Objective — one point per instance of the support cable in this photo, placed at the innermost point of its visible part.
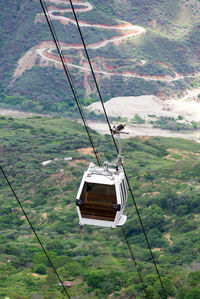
(109, 125)
(36, 235)
(133, 258)
(145, 234)
(92, 71)
(67, 73)
(45, 10)
(71, 85)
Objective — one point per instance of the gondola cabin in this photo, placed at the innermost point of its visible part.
(102, 197)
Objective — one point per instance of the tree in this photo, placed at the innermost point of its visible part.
(54, 245)
(194, 293)
(181, 293)
(150, 279)
(194, 278)
(95, 278)
(62, 260)
(51, 277)
(168, 287)
(40, 258)
(41, 269)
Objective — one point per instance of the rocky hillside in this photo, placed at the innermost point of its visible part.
(136, 49)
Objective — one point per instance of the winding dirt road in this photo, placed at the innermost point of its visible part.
(45, 50)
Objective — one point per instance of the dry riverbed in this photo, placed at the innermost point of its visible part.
(146, 107)
(150, 107)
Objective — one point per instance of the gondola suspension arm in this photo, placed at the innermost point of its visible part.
(118, 162)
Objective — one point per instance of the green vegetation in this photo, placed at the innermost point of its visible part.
(172, 18)
(164, 174)
(170, 123)
(137, 119)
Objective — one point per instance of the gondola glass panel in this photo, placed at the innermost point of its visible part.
(98, 201)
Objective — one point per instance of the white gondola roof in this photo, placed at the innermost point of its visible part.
(99, 176)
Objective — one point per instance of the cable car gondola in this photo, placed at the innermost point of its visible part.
(103, 193)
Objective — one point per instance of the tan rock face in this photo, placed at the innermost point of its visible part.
(25, 63)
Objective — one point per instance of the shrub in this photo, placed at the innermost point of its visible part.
(40, 269)
(138, 119)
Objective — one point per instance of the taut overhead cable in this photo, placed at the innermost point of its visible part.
(35, 233)
(109, 125)
(67, 73)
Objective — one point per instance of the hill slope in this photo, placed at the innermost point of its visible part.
(164, 175)
(160, 57)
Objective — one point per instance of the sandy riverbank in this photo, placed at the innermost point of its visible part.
(16, 113)
(147, 106)
(145, 130)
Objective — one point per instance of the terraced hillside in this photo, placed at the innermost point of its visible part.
(136, 49)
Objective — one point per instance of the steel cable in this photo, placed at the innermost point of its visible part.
(67, 73)
(133, 258)
(36, 235)
(109, 125)
(71, 85)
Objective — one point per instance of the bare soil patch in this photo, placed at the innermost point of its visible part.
(168, 237)
(150, 107)
(86, 151)
(76, 162)
(156, 249)
(17, 114)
